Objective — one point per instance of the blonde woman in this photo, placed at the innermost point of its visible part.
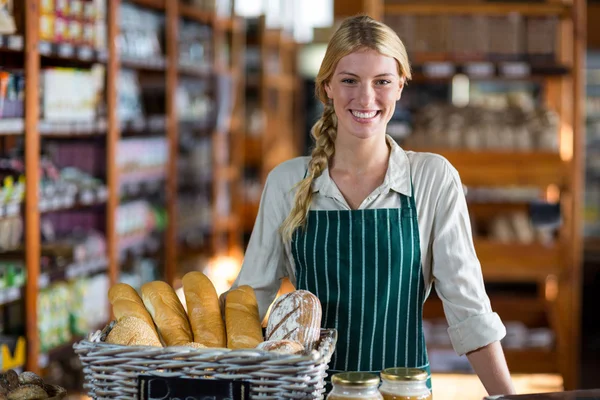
(369, 227)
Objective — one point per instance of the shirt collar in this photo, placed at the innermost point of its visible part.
(397, 177)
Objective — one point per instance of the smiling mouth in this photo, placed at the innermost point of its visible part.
(365, 115)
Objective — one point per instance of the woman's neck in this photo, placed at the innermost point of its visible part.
(359, 156)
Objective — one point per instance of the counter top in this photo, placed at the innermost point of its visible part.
(573, 395)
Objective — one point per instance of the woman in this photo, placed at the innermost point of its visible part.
(368, 227)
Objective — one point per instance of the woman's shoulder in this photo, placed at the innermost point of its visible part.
(288, 173)
(432, 167)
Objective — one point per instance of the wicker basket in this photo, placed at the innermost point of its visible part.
(111, 371)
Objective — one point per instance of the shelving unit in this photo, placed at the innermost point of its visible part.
(273, 87)
(108, 131)
(555, 268)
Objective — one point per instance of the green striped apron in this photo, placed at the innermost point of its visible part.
(365, 267)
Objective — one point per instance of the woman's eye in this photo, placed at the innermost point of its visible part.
(348, 80)
(383, 82)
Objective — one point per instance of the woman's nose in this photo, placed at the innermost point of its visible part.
(366, 95)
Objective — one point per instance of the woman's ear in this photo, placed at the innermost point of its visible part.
(328, 90)
(400, 89)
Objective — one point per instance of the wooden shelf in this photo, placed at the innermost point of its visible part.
(11, 43)
(12, 126)
(194, 13)
(518, 262)
(489, 168)
(432, 67)
(67, 51)
(155, 4)
(545, 9)
(152, 65)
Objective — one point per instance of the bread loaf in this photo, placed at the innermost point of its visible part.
(132, 331)
(204, 311)
(126, 302)
(281, 346)
(167, 312)
(244, 330)
(195, 345)
(295, 316)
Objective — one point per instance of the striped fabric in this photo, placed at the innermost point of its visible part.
(364, 265)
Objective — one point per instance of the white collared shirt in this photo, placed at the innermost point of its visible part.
(447, 252)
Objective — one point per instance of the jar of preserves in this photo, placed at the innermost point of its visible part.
(404, 384)
(354, 386)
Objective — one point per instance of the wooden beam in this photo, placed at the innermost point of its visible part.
(32, 163)
(527, 9)
(112, 142)
(172, 32)
(155, 4)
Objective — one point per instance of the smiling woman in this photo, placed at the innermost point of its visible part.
(368, 227)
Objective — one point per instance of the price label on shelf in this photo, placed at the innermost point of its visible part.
(85, 53)
(15, 42)
(515, 69)
(12, 209)
(45, 48)
(439, 69)
(43, 360)
(66, 50)
(479, 69)
(43, 281)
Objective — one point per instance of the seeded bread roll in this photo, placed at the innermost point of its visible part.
(204, 311)
(244, 330)
(131, 331)
(281, 346)
(295, 316)
(126, 302)
(167, 312)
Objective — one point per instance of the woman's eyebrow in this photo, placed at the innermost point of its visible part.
(376, 76)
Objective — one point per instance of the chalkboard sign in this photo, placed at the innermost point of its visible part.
(158, 388)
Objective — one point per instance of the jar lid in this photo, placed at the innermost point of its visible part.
(361, 379)
(404, 374)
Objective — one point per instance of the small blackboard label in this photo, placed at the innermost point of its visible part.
(159, 388)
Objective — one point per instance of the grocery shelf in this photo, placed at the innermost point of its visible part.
(503, 168)
(518, 70)
(511, 262)
(72, 129)
(86, 54)
(73, 271)
(191, 70)
(194, 13)
(541, 9)
(11, 43)
(12, 126)
(144, 64)
(10, 295)
(156, 4)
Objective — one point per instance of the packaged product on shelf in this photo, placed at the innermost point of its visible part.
(7, 22)
(61, 7)
(76, 9)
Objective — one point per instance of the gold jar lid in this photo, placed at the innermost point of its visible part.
(359, 379)
(404, 374)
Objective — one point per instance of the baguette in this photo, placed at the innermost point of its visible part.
(167, 312)
(126, 302)
(296, 316)
(244, 330)
(132, 331)
(204, 311)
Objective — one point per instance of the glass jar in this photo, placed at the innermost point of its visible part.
(353, 386)
(404, 384)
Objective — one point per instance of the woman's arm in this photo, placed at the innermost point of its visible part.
(490, 366)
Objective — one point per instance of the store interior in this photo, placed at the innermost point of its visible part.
(136, 137)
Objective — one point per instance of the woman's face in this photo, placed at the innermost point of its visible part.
(365, 87)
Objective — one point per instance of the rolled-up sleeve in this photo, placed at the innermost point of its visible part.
(457, 272)
(264, 262)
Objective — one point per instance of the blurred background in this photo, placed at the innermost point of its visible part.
(136, 136)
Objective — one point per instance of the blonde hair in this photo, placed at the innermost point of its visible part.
(356, 33)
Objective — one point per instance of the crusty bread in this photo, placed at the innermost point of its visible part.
(126, 302)
(204, 311)
(132, 331)
(296, 316)
(195, 345)
(282, 346)
(167, 312)
(242, 320)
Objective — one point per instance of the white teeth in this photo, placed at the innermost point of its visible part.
(358, 114)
